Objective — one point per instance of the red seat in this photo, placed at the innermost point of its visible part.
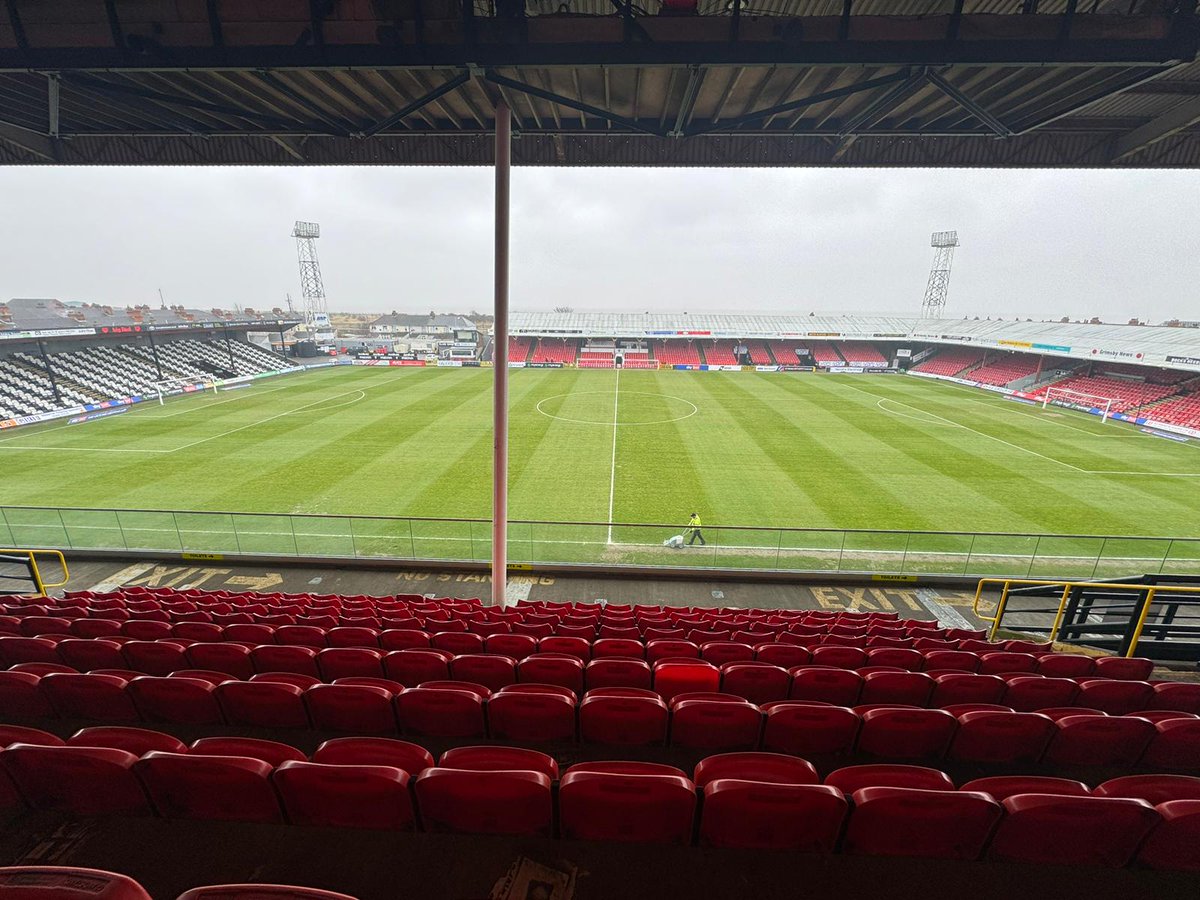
(625, 648)
(368, 751)
(620, 631)
(499, 759)
(1001, 737)
(906, 733)
(618, 672)
(1175, 746)
(354, 708)
(20, 697)
(1038, 692)
(807, 729)
(572, 646)
(1099, 741)
(531, 717)
(1065, 665)
(301, 636)
(403, 639)
(94, 696)
(295, 659)
(441, 712)
(349, 662)
(19, 734)
(209, 787)
(553, 668)
(954, 688)
(154, 657)
(353, 636)
(250, 633)
(488, 802)
(94, 628)
(345, 796)
(912, 688)
(412, 667)
(739, 813)
(896, 821)
(67, 883)
(701, 636)
(1173, 842)
(1182, 696)
(624, 720)
(1001, 787)
(671, 649)
(1124, 668)
(86, 655)
(213, 678)
(84, 780)
(785, 655)
(852, 778)
(600, 806)
(715, 724)
(232, 659)
(898, 657)
(940, 660)
(671, 678)
(1115, 697)
(1081, 831)
(457, 642)
(757, 682)
(304, 682)
(205, 632)
(272, 752)
(1001, 661)
(146, 629)
(770, 768)
(185, 701)
(721, 652)
(837, 686)
(493, 672)
(264, 703)
(518, 646)
(1154, 789)
(839, 657)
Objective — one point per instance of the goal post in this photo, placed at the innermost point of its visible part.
(172, 387)
(1079, 400)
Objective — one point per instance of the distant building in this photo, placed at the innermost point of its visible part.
(401, 323)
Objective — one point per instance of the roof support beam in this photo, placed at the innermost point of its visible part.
(882, 105)
(570, 103)
(279, 85)
(113, 88)
(812, 100)
(53, 83)
(421, 102)
(14, 22)
(994, 125)
(1171, 122)
(690, 92)
(37, 144)
(214, 23)
(114, 24)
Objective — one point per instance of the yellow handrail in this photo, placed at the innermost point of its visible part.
(1067, 588)
(36, 572)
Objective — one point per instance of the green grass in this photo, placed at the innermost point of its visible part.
(768, 450)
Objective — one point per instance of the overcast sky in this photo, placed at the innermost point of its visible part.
(1034, 243)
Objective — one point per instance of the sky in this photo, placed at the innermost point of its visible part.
(1034, 243)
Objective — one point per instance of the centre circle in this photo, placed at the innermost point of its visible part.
(686, 408)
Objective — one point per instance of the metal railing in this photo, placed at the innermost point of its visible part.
(1131, 602)
(748, 548)
(29, 559)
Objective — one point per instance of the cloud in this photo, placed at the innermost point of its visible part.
(1034, 243)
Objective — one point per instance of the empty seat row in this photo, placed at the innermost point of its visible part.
(73, 883)
(479, 790)
(616, 716)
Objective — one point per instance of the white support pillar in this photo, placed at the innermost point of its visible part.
(500, 362)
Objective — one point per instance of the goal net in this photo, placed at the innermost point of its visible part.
(1079, 400)
(192, 384)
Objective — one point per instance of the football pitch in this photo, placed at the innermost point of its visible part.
(641, 449)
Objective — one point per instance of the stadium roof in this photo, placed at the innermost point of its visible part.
(31, 317)
(416, 322)
(1137, 344)
(603, 82)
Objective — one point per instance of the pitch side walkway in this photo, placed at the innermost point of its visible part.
(950, 607)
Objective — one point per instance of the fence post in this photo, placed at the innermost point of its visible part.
(62, 522)
(1147, 601)
(178, 533)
